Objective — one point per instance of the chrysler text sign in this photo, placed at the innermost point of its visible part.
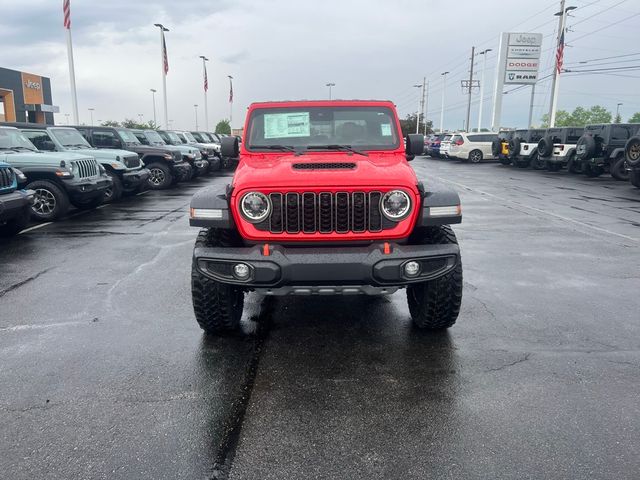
(522, 62)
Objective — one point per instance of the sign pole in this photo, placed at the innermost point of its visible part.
(499, 84)
(533, 96)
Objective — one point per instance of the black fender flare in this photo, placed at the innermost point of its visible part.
(214, 198)
(435, 196)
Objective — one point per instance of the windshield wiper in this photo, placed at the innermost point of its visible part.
(348, 148)
(19, 148)
(282, 148)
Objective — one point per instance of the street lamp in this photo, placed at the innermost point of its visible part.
(330, 85)
(140, 118)
(153, 95)
(484, 68)
(164, 63)
(195, 107)
(419, 107)
(91, 113)
(67, 117)
(618, 110)
(444, 87)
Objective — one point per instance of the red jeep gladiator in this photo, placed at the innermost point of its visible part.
(323, 202)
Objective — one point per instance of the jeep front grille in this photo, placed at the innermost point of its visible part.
(86, 168)
(132, 161)
(6, 177)
(325, 212)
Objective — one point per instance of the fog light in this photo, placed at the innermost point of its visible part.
(241, 271)
(411, 269)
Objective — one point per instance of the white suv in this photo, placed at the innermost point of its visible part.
(472, 147)
(445, 145)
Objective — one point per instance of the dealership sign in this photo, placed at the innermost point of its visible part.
(522, 62)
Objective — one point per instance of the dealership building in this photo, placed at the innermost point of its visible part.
(25, 97)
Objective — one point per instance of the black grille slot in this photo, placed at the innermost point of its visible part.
(292, 201)
(326, 212)
(324, 166)
(359, 212)
(342, 212)
(6, 177)
(375, 217)
(87, 168)
(276, 214)
(309, 212)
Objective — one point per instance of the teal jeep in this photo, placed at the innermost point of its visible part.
(124, 167)
(15, 205)
(58, 179)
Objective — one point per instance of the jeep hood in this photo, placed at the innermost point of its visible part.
(43, 158)
(277, 171)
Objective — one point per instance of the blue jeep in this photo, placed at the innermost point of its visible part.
(15, 205)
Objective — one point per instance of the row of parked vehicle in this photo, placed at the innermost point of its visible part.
(46, 169)
(593, 150)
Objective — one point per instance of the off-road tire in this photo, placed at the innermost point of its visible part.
(634, 176)
(160, 176)
(538, 162)
(217, 306)
(16, 225)
(475, 156)
(115, 192)
(574, 164)
(632, 151)
(435, 305)
(619, 169)
(53, 193)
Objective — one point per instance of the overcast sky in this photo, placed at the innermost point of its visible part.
(289, 49)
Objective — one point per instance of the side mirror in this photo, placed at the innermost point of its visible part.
(414, 145)
(230, 147)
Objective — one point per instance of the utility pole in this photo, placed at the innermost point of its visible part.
(424, 86)
(484, 69)
(420, 106)
(555, 86)
(330, 85)
(164, 64)
(426, 108)
(473, 54)
(444, 88)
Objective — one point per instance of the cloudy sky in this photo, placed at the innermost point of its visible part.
(289, 49)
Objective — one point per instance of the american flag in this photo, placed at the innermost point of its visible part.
(206, 79)
(165, 58)
(230, 89)
(560, 53)
(66, 9)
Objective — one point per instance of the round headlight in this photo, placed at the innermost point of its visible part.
(396, 205)
(255, 207)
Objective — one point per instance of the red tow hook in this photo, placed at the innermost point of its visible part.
(265, 250)
(387, 248)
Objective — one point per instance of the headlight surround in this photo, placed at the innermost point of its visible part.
(255, 206)
(395, 205)
(21, 177)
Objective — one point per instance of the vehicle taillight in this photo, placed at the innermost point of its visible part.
(459, 142)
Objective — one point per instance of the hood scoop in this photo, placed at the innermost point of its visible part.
(324, 166)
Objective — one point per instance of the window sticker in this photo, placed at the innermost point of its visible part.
(385, 129)
(281, 125)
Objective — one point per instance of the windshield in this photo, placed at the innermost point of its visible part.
(154, 137)
(365, 128)
(69, 137)
(215, 138)
(206, 137)
(173, 138)
(181, 137)
(128, 137)
(199, 137)
(13, 139)
(189, 137)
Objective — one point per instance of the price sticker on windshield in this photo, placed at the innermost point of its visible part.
(283, 125)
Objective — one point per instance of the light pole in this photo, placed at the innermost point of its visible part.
(153, 95)
(618, 112)
(444, 88)
(206, 87)
(164, 63)
(140, 118)
(67, 117)
(195, 107)
(484, 68)
(420, 100)
(559, 58)
(330, 85)
(91, 113)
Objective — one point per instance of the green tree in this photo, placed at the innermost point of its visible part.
(618, 119)
(579, 117)
(110, 123)
(408, 125)
(635, 118)
(129, 123)
(223, 126)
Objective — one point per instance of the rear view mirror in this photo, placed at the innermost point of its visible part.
(230, 147)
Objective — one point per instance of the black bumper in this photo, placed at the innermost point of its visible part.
(180, 169)
(12, 204)
(132, 180)
(87, 189)
(297, 266)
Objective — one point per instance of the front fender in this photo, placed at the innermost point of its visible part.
(440, 206)
(210, 208)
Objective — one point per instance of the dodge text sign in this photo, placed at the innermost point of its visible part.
(523, 58)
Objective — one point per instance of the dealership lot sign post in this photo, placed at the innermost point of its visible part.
(518, 64)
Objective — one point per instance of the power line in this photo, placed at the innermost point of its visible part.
(604, 58)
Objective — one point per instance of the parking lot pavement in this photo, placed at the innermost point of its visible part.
(104, 373)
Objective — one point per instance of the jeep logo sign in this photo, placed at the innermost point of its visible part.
(521, 57)
(525, 39)
(33, 85)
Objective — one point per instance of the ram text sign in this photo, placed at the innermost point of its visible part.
(523, 58)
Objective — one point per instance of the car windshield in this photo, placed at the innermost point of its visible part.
(128, 137)
(199, 137)
(206, 137)
(70, 137)
(173, 138)
(447, 138)
(330, 127)
(190, 138)
(215, 138)
(13, 139)
(181, 137)
(154, 137)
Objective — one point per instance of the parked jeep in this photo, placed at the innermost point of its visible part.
(632, 154)
(523, 146)
(500, 147)
(557, 149)
(324, 203)
(166, 167)
(190, 154)
(15, 204)
(210, 150)
(602, 149)
(57, 178)
(124, 167)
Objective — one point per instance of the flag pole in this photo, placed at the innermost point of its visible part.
(164, 64)
(230, 99)
(558, 65)
(66, 7)
(206, 87)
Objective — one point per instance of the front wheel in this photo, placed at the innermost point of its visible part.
(435, 305)
(217, 306)
(160, 176)
(619, 169)
(115, 191)
(50, 201)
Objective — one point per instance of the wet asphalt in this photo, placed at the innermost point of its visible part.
(105, 374)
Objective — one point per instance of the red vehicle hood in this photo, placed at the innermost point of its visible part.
(277, 171)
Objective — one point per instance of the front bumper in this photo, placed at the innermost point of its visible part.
(305, 269)
(181, 169)
(13, 204)
(132, 180)
(87, 188)
(201, 166)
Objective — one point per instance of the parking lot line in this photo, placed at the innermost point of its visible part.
(35, 227)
